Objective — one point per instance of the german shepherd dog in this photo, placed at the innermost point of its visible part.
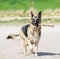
(31, 33)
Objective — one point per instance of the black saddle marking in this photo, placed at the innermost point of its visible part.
(24, 28)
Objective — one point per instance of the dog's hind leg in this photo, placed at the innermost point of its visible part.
(31, 50)
(24, 47)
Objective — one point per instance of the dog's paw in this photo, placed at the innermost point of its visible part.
(36, 54)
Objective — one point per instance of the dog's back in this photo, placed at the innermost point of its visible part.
(24, 29)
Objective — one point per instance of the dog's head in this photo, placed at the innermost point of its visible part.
(35, 20)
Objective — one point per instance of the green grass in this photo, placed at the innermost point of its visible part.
(26, 4)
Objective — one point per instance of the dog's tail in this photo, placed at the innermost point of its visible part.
(13, 36)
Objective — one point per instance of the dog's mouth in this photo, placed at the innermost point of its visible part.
(35, 29)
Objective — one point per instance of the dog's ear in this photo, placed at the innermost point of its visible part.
(39, 14)
(32, 14)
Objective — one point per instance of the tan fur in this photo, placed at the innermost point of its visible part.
(30, 40)
(32, 35)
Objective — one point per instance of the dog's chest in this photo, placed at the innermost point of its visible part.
(34, 36)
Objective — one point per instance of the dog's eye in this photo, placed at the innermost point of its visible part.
(32, 20)
(37, 21)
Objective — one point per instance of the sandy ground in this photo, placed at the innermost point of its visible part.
(49, 46)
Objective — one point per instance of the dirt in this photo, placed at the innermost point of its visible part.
(49, 46)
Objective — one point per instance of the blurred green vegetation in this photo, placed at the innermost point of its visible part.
(26, 4)
(14, 22)
(26, 21)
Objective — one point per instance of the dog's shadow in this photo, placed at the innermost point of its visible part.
(47, 54)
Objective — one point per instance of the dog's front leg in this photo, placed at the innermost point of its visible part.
(24, 47)
(36, 49)
(30, 46)
(24, 50)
